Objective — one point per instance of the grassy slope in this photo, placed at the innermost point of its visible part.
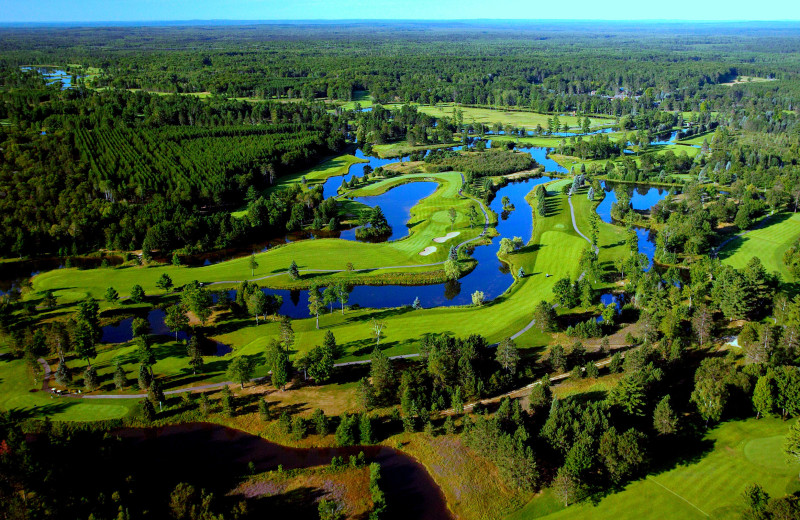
(767, 243)
(742, 453)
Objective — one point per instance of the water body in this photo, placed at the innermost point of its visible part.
(410, 491)
(122, 332)
(53, 76)
(642, 199)
(541, 156)
(396, 205)
(331, 186)
(490, 276)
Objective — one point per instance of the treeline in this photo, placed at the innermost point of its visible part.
(478, 164)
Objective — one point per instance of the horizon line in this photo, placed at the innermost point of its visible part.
(199, 21)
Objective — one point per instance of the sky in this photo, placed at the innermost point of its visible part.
(16, 11)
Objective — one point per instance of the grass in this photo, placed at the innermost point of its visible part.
(401, 149)
(471, 483)
(768, 243)
(489, 116)
(741, 453)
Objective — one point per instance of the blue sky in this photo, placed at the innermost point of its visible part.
(158, 10)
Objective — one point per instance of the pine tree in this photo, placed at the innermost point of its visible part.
(665, 421)
(365, 429)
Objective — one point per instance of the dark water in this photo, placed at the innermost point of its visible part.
(642, 199)
(490, 276)
(396, 205)
(122, 332)
(215, 458)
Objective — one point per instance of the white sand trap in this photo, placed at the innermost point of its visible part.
(447, 237)
(427, 251)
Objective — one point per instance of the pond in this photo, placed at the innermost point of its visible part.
(396, 205)
(214, 457)
(490, 276)
(53, 76)
(642, 199)
(122, 332)
(541, 155)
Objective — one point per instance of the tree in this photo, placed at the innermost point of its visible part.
(545, 316)
(148, 412)
(257, 304)
(342, 294)
(240, 370)
(566, 487)
(137, 294)
(320, 366)
(280, 370)
(176, 260)
(629, 394)
(377, 327)
(451, 213)
(84, 341)
(286, 333)
(176, 320)
(294, 271)
(623, 454)
(665, 421)
(381, 373)
(365, 429)
(112, 296)
(557, 358)
(329, 297)
(140, 327)
(764, 394)
(320, 422)
(120, 378)
(155, 394)
(702, 324)
(451, 269)
(507, 355)
(416, 305)
(315, 302)
(164, 283)
(228, 401)
(195, 354)
(478, 298)
(792, 445)
(49, 300)
(263, 410)
(253, 264)
(453, 253)
(710, 395)
(90, 379)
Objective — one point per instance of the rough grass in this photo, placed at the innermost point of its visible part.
(768, 243)
(741, 453)
(471, 483)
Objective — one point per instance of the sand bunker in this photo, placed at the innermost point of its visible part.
(428, 250)
(447, 237)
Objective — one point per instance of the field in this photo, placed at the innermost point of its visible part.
(740, 453)
(489, 116)
(768, 243)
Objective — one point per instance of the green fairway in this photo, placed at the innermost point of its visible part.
(768, 243)
(742, 453)
(386, 151)
(489, 116)
(17, 393)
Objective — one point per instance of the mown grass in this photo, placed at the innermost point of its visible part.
(767, 243)
(489, 116)
(741, 453)
(401, 149)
